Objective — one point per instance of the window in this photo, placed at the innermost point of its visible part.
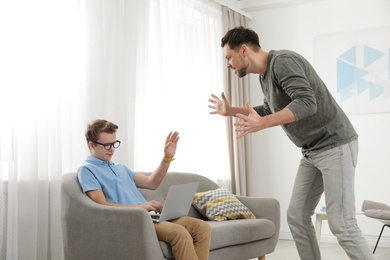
(183, 66)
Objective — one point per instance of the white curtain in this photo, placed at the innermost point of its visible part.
(39, 85)
(149, 66)
(183, 66)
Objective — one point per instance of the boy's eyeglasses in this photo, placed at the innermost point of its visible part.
(108, 146)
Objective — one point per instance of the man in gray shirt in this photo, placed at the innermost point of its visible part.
(297, 99)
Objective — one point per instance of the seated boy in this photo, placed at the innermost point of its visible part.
(114, 184)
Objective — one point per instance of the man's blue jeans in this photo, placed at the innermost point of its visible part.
(331, 172)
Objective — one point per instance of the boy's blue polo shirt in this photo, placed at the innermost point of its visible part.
(115, 180)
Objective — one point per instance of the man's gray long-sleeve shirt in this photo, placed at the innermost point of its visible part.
(290, 81)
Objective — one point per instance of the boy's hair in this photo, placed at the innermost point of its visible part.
(235, 37)
(99, 126)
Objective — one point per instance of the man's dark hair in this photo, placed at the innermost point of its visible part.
(99, 126)
(235, 37)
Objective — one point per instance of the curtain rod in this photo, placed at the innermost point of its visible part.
(224, 3)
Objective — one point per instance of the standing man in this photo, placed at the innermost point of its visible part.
(297, 99)
(113, 184)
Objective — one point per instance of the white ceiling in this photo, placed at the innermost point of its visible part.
(255, 5)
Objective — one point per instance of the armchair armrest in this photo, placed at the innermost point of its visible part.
(96, 231)
(263, 207)
(266, 208)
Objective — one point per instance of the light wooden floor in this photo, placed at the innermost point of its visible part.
(285, 249)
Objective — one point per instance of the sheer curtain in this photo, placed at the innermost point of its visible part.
(38, 85)
(149, 66)
(63, 63)
(183, 66)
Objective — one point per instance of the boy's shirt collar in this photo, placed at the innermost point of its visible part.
(97, 161)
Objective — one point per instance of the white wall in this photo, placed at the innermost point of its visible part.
(275, 158)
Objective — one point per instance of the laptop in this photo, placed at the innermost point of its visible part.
(178, 202)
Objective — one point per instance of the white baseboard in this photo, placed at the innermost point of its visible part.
(285, 235)
(384, 242)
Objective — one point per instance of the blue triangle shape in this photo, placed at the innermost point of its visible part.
(371, 55)
(362, 85)
(347, 74)
(346, 94)
(344, 75)
(388, 63)
(349, 55)
(375, 91)
(359, 73)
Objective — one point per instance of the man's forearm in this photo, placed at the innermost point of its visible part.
(238, 110)
(282, 117)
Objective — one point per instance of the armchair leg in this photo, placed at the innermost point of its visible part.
(262, 257)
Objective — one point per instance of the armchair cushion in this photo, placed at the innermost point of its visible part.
(220, 204)
(244, 230)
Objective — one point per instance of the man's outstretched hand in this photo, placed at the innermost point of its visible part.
(219, 106)
(250, 123)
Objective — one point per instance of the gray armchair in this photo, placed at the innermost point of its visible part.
(93, 231)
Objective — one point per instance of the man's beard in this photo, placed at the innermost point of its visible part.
(243, 71)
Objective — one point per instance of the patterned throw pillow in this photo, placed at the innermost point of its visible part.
(220, 204)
